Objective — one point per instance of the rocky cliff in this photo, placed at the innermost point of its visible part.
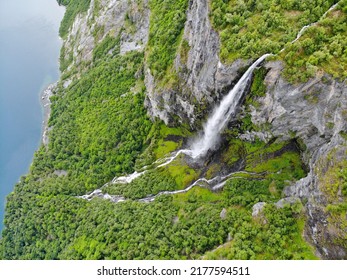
(139, 80)
(202, 78)
(314, 112)
(128, 20)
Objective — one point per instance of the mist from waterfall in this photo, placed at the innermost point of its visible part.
(221, 115)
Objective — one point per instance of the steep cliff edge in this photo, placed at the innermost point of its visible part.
(315, 113)
(128, 21)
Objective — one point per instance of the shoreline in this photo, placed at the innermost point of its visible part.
(46, 110)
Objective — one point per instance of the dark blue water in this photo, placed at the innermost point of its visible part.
(29, 52)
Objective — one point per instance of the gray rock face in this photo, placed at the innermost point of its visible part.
(46, 105)
(286, 201)
(205, 75)
(202, 78)
(316, 113)
(223, 214)
(313, 111)
(128, 19)
(159, 105)
(251, 136)
(257, 208)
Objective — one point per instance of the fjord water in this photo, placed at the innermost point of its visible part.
(29, 52)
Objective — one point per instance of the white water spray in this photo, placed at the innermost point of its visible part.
(299, 34)
(128, 178)
(221, 115)
(161, 163)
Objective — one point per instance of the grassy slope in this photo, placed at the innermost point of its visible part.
(249, 29)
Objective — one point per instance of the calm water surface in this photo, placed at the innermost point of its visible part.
(29, 52)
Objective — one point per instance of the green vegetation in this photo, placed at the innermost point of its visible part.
(281, 163)
(172, 227)
(100, 126)
(110, 45)
(162, 141)
(151, 183)
(277, 163)
(65, 59)
(184, 50)
(101, 130)
(258, 88)
(246, 193)
(251, 28)
(277, 234)
(166, 25)
(164, 146)
(175, 176)
(323, 47)
(332, 176)
(182, 173)
(53, 224)
(73, 8)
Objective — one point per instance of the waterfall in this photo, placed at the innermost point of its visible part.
(221, 115)
(219, 118)
(210, 137)
(212, 129)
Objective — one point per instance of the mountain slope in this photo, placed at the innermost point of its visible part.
(139, 79)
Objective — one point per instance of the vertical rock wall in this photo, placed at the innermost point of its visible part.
(314, 112)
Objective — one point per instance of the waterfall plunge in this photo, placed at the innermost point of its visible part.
(221, 115)
(213, 127)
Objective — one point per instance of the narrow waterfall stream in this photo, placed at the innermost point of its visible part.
(214, 184)
(302, 30)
